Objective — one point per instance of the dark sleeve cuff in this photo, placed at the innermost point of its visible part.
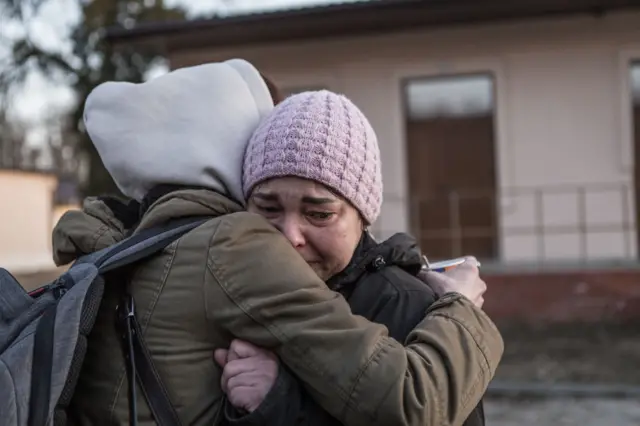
(127, 212)
(272, 408)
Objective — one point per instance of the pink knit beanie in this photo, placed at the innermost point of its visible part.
(321, 136)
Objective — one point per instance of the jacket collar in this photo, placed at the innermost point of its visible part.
(181, 203)
(369, 256)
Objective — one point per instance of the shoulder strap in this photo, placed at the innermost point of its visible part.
(42, 368)
(141, 370)
(144, 244)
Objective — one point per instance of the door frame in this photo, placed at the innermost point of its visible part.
(504, 166)
(627, 56)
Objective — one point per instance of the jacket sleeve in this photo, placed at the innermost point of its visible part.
(259, 289)
(96, 224)
(287, 403)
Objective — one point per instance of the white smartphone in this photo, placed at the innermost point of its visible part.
(444, 265)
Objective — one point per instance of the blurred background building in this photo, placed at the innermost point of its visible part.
(506, 131)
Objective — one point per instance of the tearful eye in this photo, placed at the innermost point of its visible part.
(320, 215)
(268, 209)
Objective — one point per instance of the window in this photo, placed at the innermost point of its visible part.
(634, 77)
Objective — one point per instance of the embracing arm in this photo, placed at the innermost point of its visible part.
(287, 402)
(347, 364)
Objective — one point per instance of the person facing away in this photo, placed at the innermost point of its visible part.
(236, 276)
(313, 170)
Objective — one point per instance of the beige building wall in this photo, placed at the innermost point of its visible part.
(25, 221)
(562, 119)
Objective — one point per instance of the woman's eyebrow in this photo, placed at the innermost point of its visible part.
(318, 200)
(265, 196)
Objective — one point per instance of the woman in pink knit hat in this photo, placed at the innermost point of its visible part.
(312, 169)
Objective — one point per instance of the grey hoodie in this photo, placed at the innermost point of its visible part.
(174, 130)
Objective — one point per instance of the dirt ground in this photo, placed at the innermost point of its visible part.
(578, 353)
(583, 353)
(562, 412)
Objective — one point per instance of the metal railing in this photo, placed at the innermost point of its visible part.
(543, 214)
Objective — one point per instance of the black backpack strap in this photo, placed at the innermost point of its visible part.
(42, 367)
(141, 370)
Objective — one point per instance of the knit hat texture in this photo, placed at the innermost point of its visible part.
(320, 136)
(188, 127)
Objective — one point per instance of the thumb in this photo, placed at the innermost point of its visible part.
(436, 281)
(241, 349)
(434, 278)
(472, 260)
(465, 270)
(220, 356)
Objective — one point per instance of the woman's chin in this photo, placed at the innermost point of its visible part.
(318, 269)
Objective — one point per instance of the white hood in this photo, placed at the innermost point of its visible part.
(188, 127)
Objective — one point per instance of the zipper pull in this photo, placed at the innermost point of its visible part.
(59, 287)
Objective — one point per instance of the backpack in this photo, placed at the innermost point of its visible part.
(43, 334)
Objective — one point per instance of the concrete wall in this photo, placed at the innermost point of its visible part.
(562, 119)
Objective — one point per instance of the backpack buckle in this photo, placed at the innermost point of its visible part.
(125, 314)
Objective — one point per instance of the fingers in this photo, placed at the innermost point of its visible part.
(234, 360)
(464, 272)
(220, 356)
(241, 357)
(470, 264)
(239, 366)
(466, 269)
(234, 368)
(242, 380)
(247, 398)
(472, 260)
(482, 286)
(238, 396)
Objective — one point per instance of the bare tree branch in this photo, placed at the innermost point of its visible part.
(19, 9)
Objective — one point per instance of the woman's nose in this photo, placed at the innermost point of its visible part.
(294, 234)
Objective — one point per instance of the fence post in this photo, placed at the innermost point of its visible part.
(627, 227)
(539, 208)
(582, 222)
(454, 224)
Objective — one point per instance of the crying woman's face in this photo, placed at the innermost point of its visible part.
(323, 227)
